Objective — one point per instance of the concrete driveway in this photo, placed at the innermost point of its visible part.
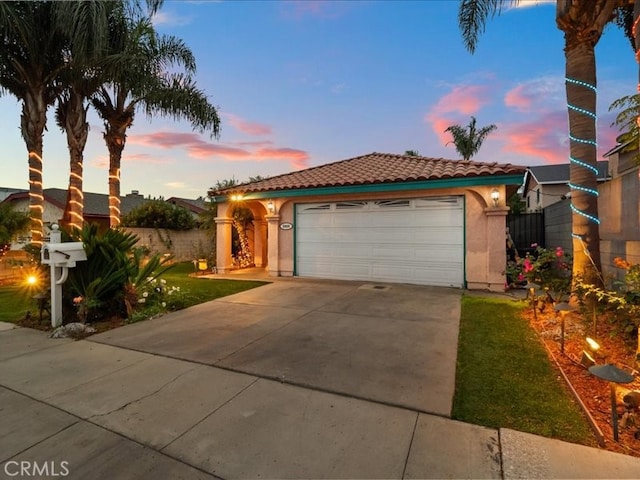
(393, 344)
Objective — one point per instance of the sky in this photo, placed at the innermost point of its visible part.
(299, 84)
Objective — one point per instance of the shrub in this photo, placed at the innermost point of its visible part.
(113, 272)
(550, 269)
(159, 214)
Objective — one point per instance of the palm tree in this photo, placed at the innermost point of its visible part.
(582, 24)
(469, 140)
(140, 77)
(36, 42)
(30, 60)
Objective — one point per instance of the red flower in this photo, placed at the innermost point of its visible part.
(527, 265)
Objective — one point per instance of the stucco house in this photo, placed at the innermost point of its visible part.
(378, 217)
(545, 185)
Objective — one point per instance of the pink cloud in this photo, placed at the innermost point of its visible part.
(462, 100)
(165, 139)
(519, 98)
(250, 128)
(298, 158)
(544, 138)
(205, 150)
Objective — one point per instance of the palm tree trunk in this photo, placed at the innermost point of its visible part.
(581, 98)
(115, 138)
(32, 123)
(636, 38)
(77, 129)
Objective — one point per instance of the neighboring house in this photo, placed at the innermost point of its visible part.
(545, 185)
(196, 207)
(5, 192)
(96, 206)
(379, 218)
(618, 207)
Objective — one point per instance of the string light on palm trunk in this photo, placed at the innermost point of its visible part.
(581, 163)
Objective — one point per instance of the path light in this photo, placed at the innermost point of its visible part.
(613, 375)
(532, 287)
(587, 359)
(495, 196)
(563, 309)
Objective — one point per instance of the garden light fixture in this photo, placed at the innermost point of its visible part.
(593, 345)
(613, 375)
(495, 196)
(563, 309)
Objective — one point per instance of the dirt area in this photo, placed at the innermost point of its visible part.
(594, 393)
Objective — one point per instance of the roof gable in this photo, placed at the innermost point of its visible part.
(375, 168)
(548, 174)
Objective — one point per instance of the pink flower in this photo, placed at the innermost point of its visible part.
(559, 252)
(534, 245)
(520, 277)
(527, 265)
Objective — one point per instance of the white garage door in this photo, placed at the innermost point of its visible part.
(418, 241)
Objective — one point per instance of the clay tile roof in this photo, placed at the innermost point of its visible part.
(375, 168)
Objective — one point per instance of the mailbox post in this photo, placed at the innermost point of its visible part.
(60, 257)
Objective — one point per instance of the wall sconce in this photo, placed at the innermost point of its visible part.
(495, 196)
(271, 207)
(236, 197)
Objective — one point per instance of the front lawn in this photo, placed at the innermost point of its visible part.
(15, 300)
(504, 378)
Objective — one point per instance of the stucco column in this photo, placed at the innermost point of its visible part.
(224, 262)
(259, 243)
(273, 223)
(496, 247)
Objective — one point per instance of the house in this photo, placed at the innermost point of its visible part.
(545, 185)
(380, 218)
(96, 205)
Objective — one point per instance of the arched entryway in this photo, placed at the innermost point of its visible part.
(241, 235)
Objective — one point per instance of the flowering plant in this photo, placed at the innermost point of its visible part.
(84, 307)
(156, 297)
(548, 268)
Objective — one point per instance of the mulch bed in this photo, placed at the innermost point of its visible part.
(593, 392)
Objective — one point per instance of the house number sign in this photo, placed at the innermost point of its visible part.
(286, 226)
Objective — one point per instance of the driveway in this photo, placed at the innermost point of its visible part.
(393, 344)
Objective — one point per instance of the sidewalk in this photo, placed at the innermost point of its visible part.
(103, 412)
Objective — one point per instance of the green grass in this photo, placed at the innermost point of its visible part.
(198, 290)
(15, 301)
(505, 379)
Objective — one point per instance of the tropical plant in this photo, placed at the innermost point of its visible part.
(469, 139)
(31, 57)
(582, 24)
(159, 214)
(113, 272)
(412, 153)
(142, 74)
(627, 122)
(37, 40)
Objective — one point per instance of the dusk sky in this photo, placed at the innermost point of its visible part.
(303, 83)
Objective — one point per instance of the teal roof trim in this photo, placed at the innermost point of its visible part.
(382, 187)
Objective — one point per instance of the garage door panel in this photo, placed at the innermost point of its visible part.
(411, 241)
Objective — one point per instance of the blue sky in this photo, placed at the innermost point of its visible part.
(303, 83)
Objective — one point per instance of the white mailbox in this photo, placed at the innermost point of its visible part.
(63, 254)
